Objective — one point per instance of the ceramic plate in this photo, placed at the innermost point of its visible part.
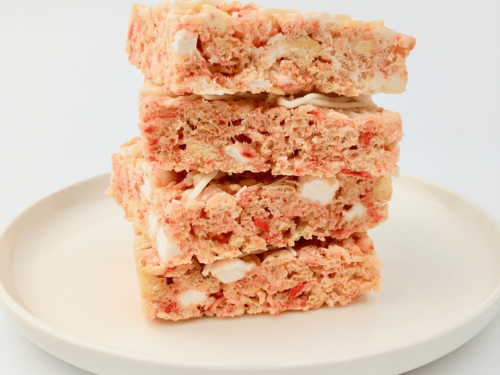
(67, 279)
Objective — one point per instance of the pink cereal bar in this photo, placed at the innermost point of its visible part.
(220, 216)
(285, 136)
(306, 277)
(219, 47)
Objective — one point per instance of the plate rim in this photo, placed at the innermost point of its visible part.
(14, 309)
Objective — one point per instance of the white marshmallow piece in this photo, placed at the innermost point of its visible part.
(357, 210)
(185, 42)
(192, 297)
(152, 223)
(146, 189)
(393, 85)
(233, 152)
(228, 270)
(167, 250)
(321, 189)
(377, 82)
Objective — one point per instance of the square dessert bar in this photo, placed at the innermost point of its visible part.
(305, 277)
(287, 136)
(188, 215)
(219, 47)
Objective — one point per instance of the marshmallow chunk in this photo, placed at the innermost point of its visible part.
(152, 222)
(146, 189)
(235, 154)
(166, 249)
(321, 189)
(192, 297)
(185, 42)
(228, 270)
(357, 210)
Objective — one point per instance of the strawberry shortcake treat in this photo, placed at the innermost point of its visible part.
(262, 159)
(214, 216)
(225, 47)
(306, 276)
(313, 134)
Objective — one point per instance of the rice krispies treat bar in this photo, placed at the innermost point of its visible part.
(239, 134)
(218, 47)
(314, 273)
(219, 216)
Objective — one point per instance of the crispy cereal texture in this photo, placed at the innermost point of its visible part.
(217, 47)
(315, 273)
(253, 135)
(239, 214)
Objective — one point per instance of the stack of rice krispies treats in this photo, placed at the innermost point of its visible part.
(262, 159)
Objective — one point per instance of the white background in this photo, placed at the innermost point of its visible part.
(68, 99)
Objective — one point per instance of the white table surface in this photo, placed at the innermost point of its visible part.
(68, 99)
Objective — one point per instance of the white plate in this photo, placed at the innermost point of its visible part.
(68, 281)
